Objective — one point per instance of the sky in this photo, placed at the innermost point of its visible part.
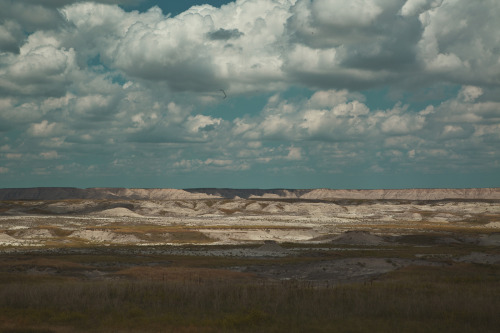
(351, 94)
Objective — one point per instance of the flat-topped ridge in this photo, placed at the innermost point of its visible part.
(61, 193)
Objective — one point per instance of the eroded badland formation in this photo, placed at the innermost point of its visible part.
(108, 216)
(226, 260)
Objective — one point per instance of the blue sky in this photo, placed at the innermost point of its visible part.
(320, 93)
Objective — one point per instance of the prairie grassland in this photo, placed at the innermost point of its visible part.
(459, 298)
(143, 292)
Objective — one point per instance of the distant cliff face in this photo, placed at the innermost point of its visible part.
(406, 194)
(60, 193)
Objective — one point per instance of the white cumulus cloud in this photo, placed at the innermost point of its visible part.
(42, 129)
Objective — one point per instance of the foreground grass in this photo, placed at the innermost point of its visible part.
(458, 298)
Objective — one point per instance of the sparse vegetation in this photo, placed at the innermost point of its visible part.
(417, 227)
(459, 298)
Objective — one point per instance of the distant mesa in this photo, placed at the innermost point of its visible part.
(63, 193)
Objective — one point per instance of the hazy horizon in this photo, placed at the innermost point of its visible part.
(249, 188)
(295, 94)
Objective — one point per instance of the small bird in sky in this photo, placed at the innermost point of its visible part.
(223, 93)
